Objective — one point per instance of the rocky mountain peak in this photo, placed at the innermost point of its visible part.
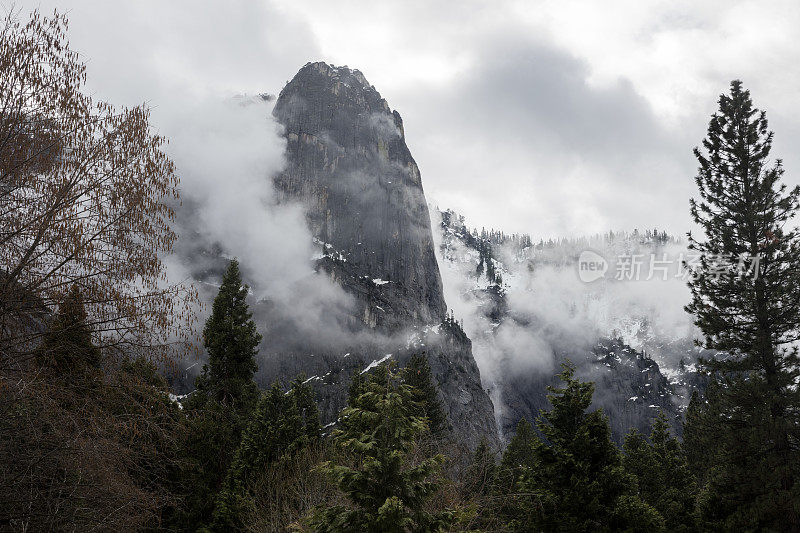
(344, 75)
(349, 165)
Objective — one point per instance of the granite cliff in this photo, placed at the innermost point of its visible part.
(349, 166)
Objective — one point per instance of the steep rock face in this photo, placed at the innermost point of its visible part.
(349, 164)
(350, 168)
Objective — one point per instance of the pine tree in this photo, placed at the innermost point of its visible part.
(281, 424)
(386, 493)
(212, 437)
(662, 473)
(518, 455)
(226, 394)
(505, 503)
(577, 482)
(231, 339)
(753, 317)
(481, 473)
(425, 394)
(67, 346)
(302, 395)
(699, 428)
(479, 487)
(357, 382)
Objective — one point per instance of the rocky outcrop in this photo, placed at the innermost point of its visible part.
(350, 168)
(349, 164)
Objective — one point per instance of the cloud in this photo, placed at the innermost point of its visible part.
(550, 312)
(226, 152)
(160, 52)
(566, 118)
(536, 149)
(192, 63)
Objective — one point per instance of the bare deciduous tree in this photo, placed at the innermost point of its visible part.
(86, 196)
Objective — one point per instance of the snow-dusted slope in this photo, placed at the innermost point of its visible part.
(533, 311)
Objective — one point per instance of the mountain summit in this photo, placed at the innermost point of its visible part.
(349, 167)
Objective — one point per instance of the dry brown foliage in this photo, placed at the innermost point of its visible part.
(86, 197)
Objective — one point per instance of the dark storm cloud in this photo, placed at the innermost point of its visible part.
(533, 91)
(524, 126)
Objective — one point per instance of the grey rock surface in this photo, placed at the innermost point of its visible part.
(349, 167)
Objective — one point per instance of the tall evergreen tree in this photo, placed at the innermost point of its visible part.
(212, 437)
(231, 339)
(481, 473)
(281, 424)
(699, 428)
(662, 473)
(517, 456)
(425, 395)
(357, 381)
(505, 503)
(68, 346)
(386, 493)
(479, 487)
(753, 318)
(577, 482)
(226, 394)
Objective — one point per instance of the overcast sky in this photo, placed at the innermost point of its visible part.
(552, 118)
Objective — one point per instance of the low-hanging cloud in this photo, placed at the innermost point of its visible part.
(227, 152)
(187, 61)
(551, 313)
